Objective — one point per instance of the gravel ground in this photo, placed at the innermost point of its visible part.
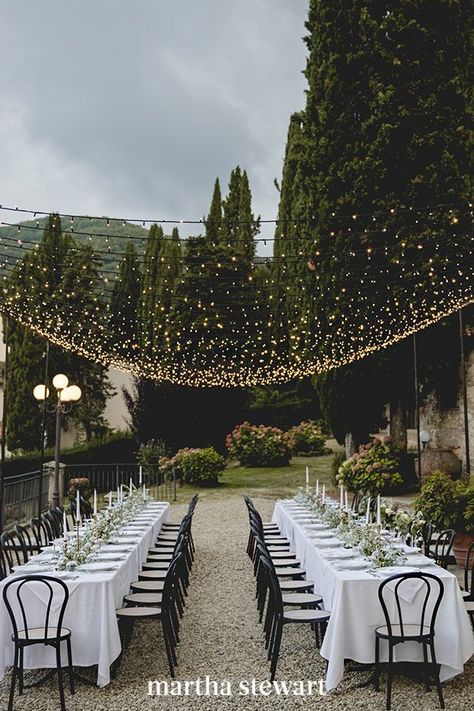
(221, 638)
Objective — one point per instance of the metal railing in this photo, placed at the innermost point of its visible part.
(20, 497)
(21, 492)
(108, 477)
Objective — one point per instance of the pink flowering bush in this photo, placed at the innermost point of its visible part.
(194, 466)
(259, 446)
(307, 438)
(373, 468)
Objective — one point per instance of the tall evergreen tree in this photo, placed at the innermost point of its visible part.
(149, 303)
(25, 367)
(231, 206)
(385, 135)
(214, 219)
(124, 303)
(60, 279)
(248, 226)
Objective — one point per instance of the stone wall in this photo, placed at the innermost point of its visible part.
(446, 426)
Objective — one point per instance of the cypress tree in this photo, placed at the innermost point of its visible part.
(149, 297)
(231, 206)
(124, 303)
(385, 133)
(23, 416)
(248, 226)
(213, 222)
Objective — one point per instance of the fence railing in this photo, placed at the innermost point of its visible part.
(20, 497)
(21, 492)
(108, 477)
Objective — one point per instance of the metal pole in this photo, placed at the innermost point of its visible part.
(43, 432)
(417, 406)
(464, 393)
(174, 484)
(57, 450)
(4, 417)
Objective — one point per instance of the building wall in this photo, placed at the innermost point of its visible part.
(115, 412)
(446, 426)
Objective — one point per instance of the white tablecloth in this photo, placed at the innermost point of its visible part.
(351, 597)
(90, 613)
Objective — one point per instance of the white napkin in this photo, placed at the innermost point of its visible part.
(42, 592)
(408, 589)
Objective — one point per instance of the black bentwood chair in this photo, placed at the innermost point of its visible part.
(277, 616)
(442, 546)
(397, 631)
(49, 634)
(468, 592)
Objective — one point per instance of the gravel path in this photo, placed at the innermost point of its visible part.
(221, 639)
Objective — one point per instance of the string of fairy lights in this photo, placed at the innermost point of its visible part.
(310, 307)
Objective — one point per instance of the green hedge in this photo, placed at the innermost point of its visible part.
(114, 448)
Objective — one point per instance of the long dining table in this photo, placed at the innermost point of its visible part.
(352, 598)
(96, 590)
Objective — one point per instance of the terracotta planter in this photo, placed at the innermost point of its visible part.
(462, 541)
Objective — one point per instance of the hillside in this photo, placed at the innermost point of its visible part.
(108, 240)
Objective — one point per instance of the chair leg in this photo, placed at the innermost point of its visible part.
(71, 671)
(436, 674)
(13, 682)
(377, 665)
(389, 676)
(60, 677)
(276, 651)
(427, 671)
(168, 653)
(20, 673)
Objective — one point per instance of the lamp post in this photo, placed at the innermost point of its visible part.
(65, 395)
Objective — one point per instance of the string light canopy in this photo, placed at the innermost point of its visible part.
(219, 323)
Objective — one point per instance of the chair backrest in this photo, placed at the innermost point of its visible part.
(444, 543)
(469, 570)
(54, 525)
(85, 509)
(40, 532)
(432, 590)
(26, 536)
(13, 595)
(171, 581)
(273, 585)
(13, 550)
(48, 527)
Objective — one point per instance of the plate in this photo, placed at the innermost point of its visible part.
(111, 556)
(352, 565)
(116, 547)
(98, 567)
(327, 542)
(394, 570)
(135, 529)
(420, 561)
(318, 526)
(29, 569)
(339, 555)
(321, 534)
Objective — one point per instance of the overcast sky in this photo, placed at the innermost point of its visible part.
(133, 107)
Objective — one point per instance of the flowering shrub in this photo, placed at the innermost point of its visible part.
(259, 446)
(446, 503)
(307, 437)
(194, 466)
(81, 483)
(370, 470)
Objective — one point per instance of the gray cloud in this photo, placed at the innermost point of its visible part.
(133, 108)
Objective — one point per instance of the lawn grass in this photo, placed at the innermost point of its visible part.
(270, 482)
